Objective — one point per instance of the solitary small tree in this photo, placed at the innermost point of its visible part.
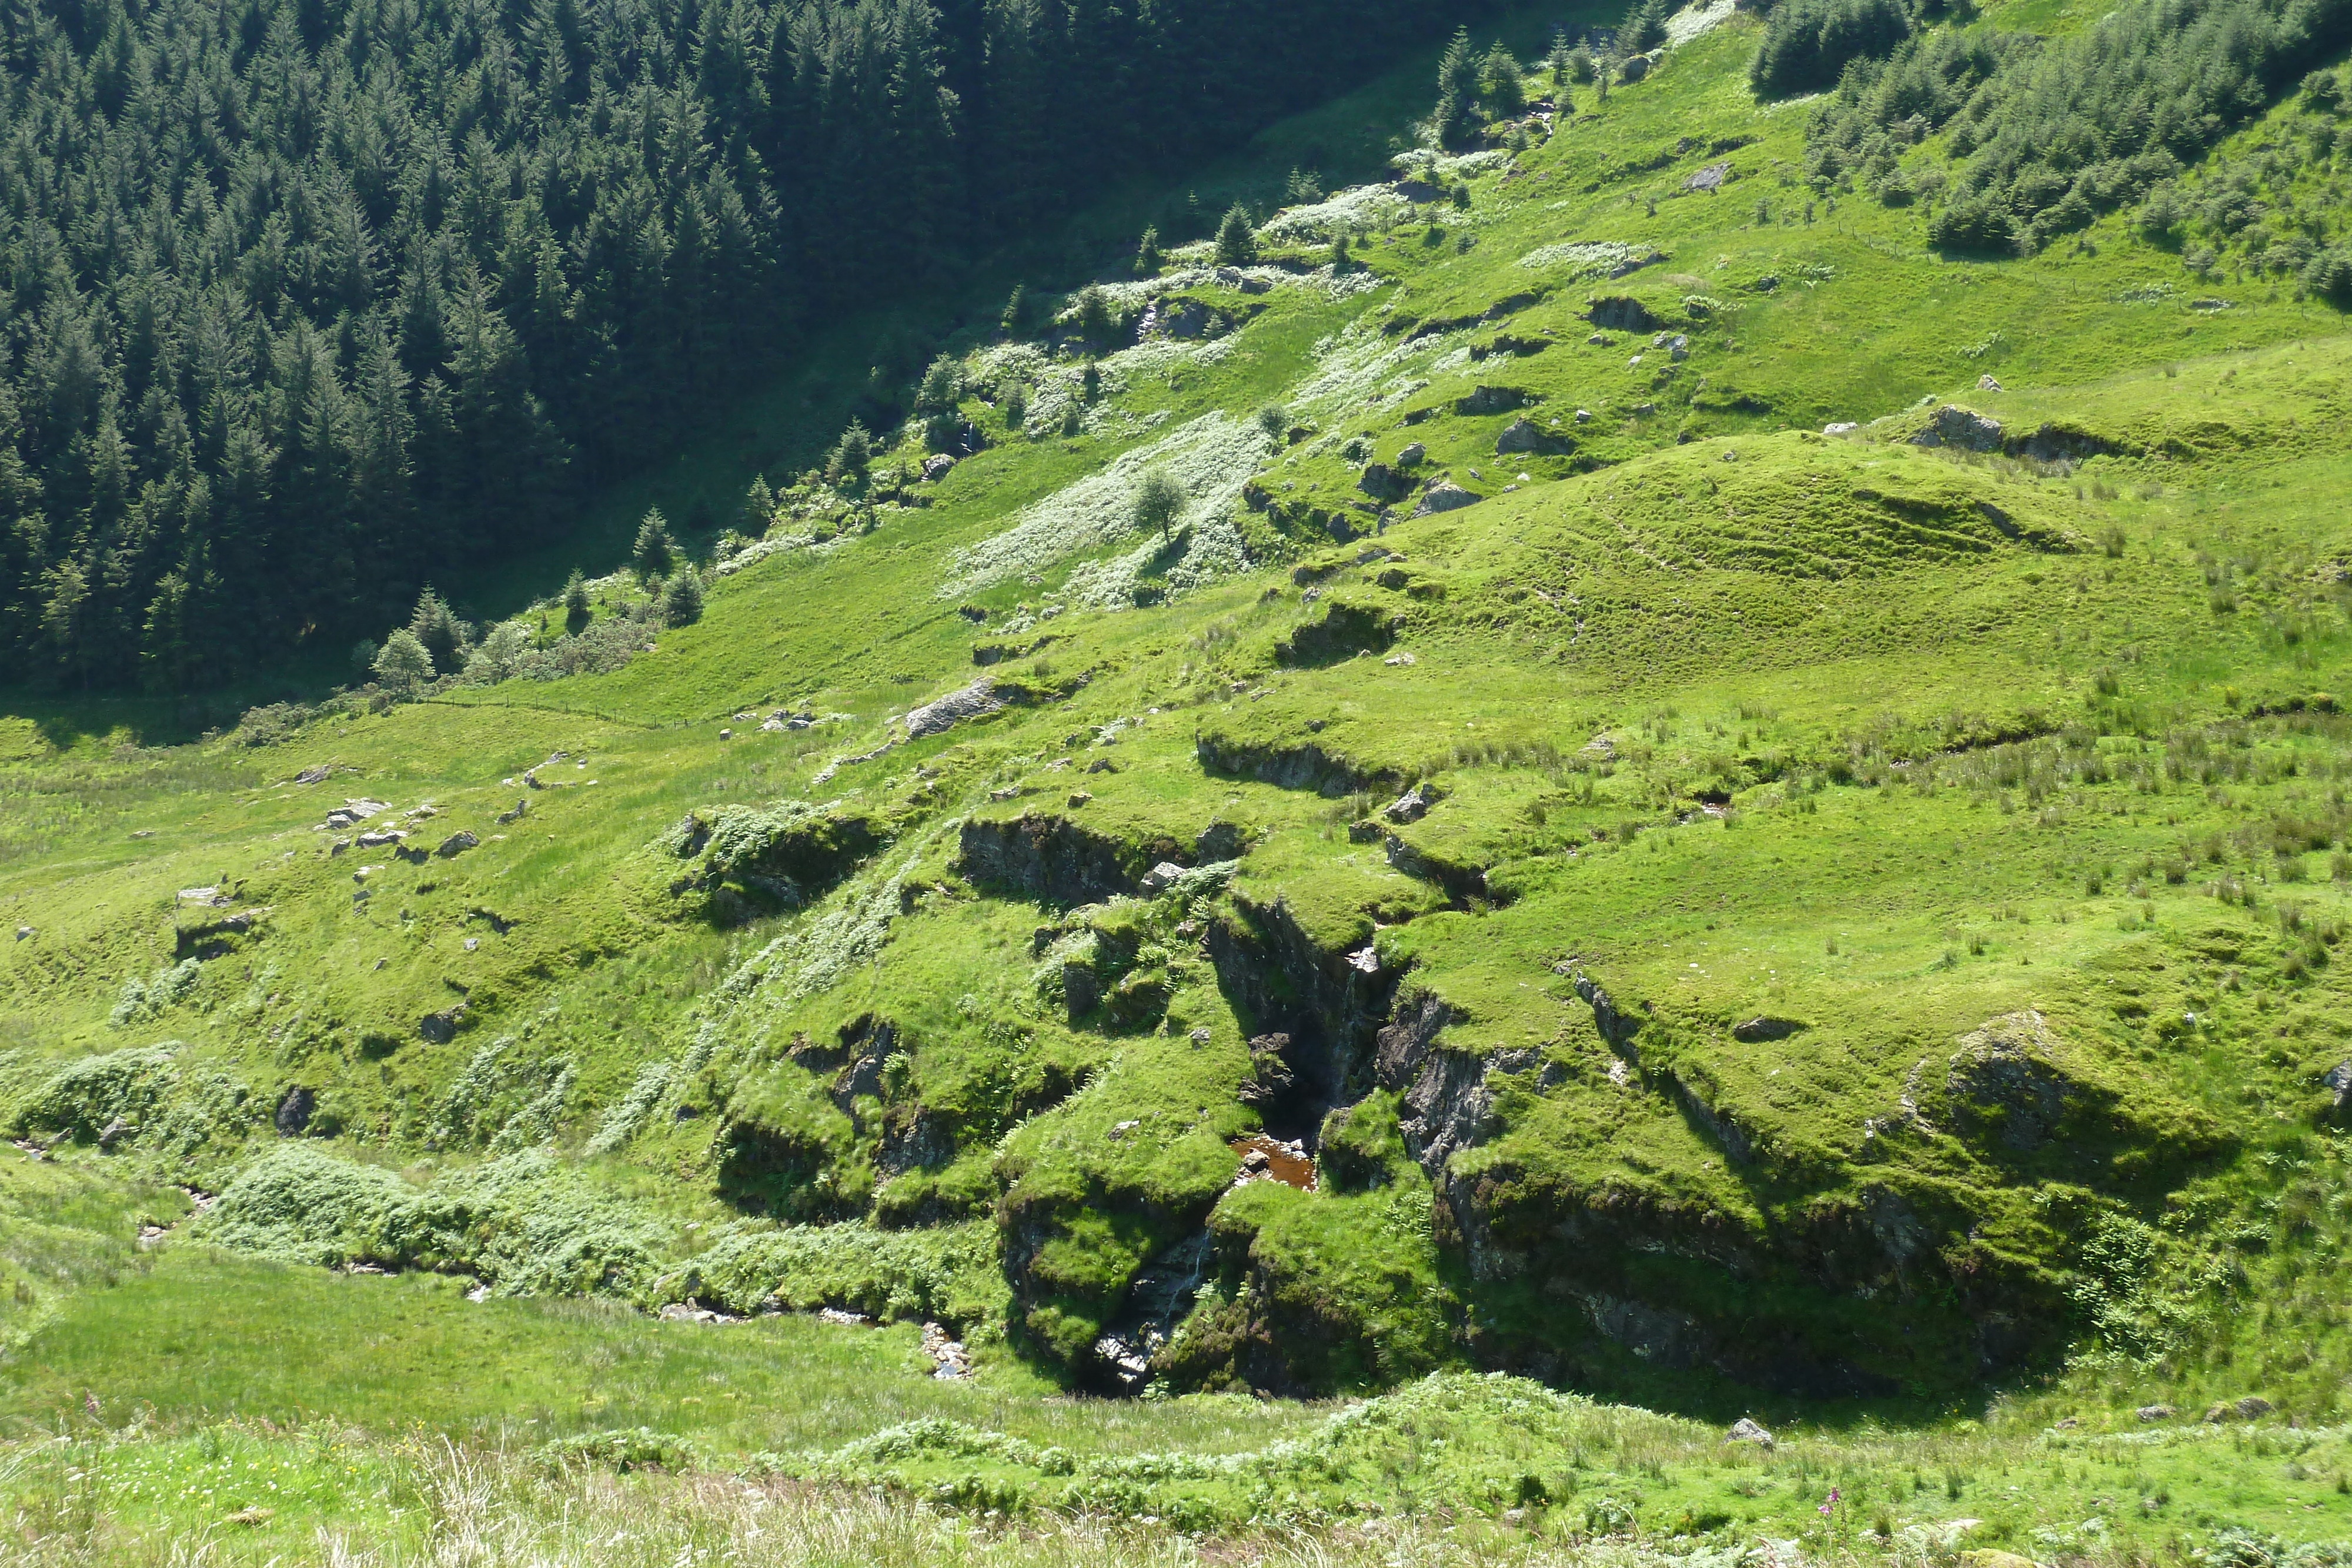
(402, 664)
(575, 601)
(682, 598)
(758, 508)
(1275, 419)
(1094, 314)
(942, 386)
(1158, 502)
(1146, 255)
(1339, 262)
(655, 552)
(1236, 238)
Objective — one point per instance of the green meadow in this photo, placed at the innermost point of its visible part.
(1763, 801)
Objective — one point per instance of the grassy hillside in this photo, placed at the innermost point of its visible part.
(1707, 811)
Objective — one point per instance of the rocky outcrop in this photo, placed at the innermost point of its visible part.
(1525, 436)
(1048, 857)
(1953, 426)
(944, 713)
(1444, 496)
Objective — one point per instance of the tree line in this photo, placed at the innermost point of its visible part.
(308, 304)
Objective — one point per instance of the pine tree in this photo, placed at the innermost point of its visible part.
(851, 455)
(758, 508)
(1146, 255)
(438, 631)
(682, 598)
(1457, 87)
(654, 551)
(575, 601)
(1236, 238)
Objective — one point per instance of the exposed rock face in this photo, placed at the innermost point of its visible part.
(1049, 857)
(1380, 482)
(1156, 1300)
(952, 709)
(1956, 427)
(294, 1111)
(1618, 313)
(2004, 1078)
(1494, 400)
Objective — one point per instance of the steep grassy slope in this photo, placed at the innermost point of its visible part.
(1740, 916)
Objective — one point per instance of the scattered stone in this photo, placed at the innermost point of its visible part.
(936, 466)
(1102, 765)
(726, 735)
(294, 1110)
(2337, 1080)
(23, 932)
(1124, 1128)
(472, 943)
(456, 844)
(946, 712)
(1396, 660)
(1444, 496)
(1412, 455)
(1410, 807)
(315, 775)
(377, 841)
(338, 847)
(846, 1320)
(144, 833)
(950, 1359)
(1710, 178)
(1161, 877)
(1257, 1160)
(1679, 349)
(687, 1312)
(1365, 960)
(1956, 427)
(1843, 427)
(1584, 416)
(1524, 434)
(1986, 384)
(2252, 1405)
(478, 1293)
(115, 1132)
(2157, 1412)
(1745, 1431)
(1080, 797)
(522, 807)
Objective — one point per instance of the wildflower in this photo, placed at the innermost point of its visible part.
(1830, 1503)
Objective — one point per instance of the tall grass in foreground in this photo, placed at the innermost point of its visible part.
(455, 1506)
